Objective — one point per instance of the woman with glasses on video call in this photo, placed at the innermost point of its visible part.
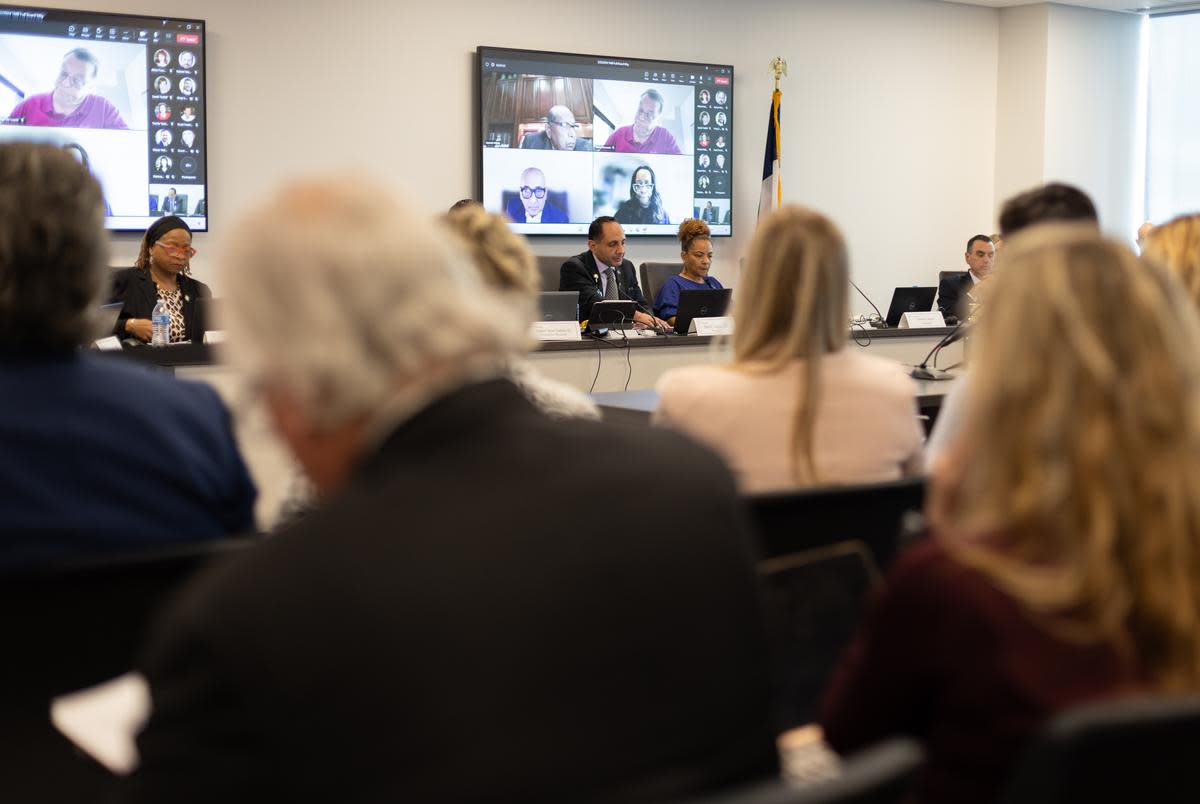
(645, 205)
(161, 270)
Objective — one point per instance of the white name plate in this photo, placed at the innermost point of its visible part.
(214, 336)
(715, 325)
(555, 330)
(110, 344)
(922, 320)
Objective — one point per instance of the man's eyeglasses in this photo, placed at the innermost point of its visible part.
(175, 251)
(530, 192)
(563, 124)
(643, 185)
(76, 81)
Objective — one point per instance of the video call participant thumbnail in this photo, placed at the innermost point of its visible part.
(71, 103)
(602, 273)
(561, 133)
(530, 204)
(645, 205)
(645, 136)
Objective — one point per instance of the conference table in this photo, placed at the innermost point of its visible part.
(615, 366)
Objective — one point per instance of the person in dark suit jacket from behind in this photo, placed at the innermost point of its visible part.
(162, 267)
(99, 455)
(955, 292)
(462, 619)
(590, 272)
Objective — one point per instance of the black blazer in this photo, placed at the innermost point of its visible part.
(952, 292)
(466, 621)
(136, 290)
(582, 274)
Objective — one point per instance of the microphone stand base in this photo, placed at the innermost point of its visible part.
(919, 373)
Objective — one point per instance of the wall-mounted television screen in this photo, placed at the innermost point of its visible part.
(123, 93)
(565, 138)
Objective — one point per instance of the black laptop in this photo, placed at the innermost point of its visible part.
(909, 300)
(700, 304)
(558, 305)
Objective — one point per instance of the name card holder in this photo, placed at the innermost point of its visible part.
(110, 344)
(922, 320)
(713, 325)
(555, 330)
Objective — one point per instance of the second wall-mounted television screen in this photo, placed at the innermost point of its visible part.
(125, 94)
(566, 138)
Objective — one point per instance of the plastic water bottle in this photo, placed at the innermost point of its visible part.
(160, 325)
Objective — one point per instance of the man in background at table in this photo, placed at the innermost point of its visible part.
(955, 293)
(461, 619)
(603, 274)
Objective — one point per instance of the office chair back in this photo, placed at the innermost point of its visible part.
(881, 774)
(70, 625)
(814, 603)
(551, 269)
(884, 516)
(1132, 750)
(654, 275)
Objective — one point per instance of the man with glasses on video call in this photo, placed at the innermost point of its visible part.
(71, 103)
(645, 136)
(533, 206)
(561, 134)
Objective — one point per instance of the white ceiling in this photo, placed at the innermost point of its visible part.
(1108, 5)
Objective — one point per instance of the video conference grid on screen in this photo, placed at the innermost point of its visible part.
(124, 93)
(566, 138)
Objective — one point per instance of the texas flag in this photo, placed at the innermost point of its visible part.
(772, 182)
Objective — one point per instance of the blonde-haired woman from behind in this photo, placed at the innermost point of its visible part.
(796, 407)
(505, 262)
(1063, 564)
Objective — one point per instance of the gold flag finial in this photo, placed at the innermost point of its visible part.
(779, 67)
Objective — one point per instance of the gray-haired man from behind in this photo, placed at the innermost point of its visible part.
(465, 617)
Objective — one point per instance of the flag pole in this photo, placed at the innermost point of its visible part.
(779, 67)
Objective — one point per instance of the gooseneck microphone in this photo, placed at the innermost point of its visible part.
(922, 373)
(882, 321)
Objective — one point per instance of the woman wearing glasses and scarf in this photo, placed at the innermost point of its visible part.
(161, 271)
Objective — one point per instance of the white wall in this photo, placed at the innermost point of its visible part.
(1091, 103)
(1067, 106)
(889, 109)
(1021, 100)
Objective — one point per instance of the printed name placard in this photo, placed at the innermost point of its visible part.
(214, 336)
(555, 330)
(110, 344)
(714, 325)
(922, 320)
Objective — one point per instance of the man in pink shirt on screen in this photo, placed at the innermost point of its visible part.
(645, 136)
(71, 103)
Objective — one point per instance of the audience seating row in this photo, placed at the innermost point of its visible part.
(72, 626)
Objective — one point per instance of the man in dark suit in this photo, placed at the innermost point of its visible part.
(602, 273)
(956, 292)
(462, 619)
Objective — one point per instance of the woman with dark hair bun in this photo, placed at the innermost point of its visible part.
(695, 249)
(645, 205)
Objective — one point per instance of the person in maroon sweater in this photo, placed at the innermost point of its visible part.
(1064, 560)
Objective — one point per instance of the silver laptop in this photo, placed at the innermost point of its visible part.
(558, 305)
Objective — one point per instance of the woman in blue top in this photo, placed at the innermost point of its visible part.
(696, 244)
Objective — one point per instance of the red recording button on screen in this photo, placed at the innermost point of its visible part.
(189, 39)
(721, 79)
